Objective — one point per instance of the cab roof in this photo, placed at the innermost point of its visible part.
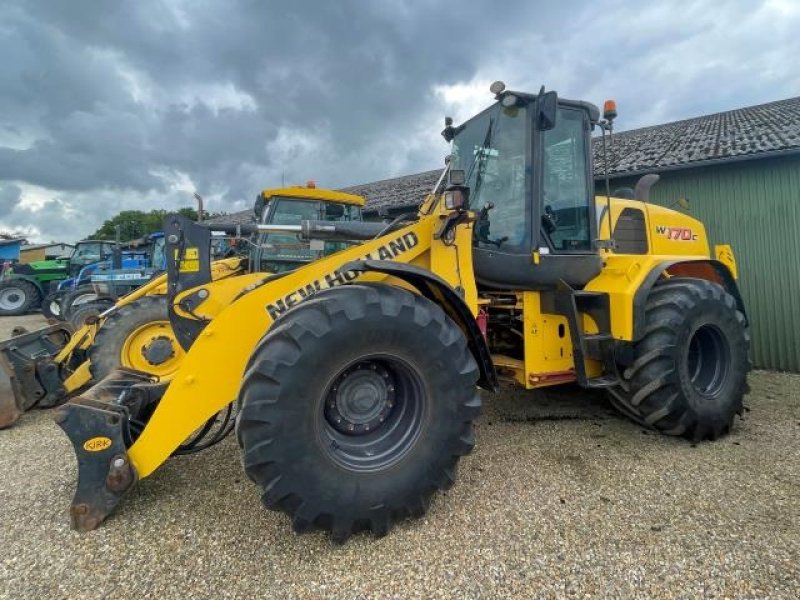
(314, 194)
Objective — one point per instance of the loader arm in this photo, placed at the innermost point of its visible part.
(198, 390)
(111, 457)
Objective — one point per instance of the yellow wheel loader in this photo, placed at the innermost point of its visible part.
(356, 376)
(45, 367)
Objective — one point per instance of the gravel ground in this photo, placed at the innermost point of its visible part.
(560, 499)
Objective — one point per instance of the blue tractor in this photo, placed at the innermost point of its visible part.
(98, 286)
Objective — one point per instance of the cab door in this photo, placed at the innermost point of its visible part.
(537, 231)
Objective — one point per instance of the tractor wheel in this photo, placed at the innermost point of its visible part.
(51, 306)
(689, 373)
(17, 297)
(83, 312)
(356, 407)
(76, 298)
(137, 336)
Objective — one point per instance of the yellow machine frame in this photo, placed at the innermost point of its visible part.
(559, 335)
(197, 390)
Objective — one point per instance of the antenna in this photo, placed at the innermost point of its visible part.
(606, 127)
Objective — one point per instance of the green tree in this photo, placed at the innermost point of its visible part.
(136, 223)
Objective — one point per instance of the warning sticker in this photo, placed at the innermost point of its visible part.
(190, 263)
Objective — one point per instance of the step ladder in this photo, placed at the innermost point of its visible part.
(570, 303)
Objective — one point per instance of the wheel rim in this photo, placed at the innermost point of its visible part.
(54, 307)
(152, 348)
(373, 413)
(12, 298)
(708, 360)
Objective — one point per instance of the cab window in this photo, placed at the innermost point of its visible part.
(567, 192)
(491, 149)
(281, 252)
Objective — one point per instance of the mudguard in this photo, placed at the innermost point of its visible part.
(435, 289)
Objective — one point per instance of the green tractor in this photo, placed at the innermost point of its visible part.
(24, 286)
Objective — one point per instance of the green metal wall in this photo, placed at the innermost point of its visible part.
(755, 206)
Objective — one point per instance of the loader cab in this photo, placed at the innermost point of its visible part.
(282, 252)
(528, 166)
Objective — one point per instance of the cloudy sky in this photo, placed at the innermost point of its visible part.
(116, 105)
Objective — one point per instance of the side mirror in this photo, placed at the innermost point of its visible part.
(547, 111)
(457, 177)
(258, 208)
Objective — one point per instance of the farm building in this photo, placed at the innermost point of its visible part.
(740, 171)
(33, 252)
(9, 248)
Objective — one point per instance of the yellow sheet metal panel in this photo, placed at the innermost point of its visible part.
(548, 346)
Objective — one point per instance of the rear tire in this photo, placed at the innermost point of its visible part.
(18, 296)
(73, 300)
(689, 373)
(356, 407)
(51, 306)
(137, 336)
(83, 312)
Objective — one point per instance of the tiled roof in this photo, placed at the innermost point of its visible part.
(398, 192)
(409, 190)
(744, 133)
(741, 134)
(237, 218)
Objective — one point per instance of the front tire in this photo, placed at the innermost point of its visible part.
(689, 373)
(51, 306)
(17, 297)
(137, 336)
(356, 408)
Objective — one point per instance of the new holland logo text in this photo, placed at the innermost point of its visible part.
(388, 251)
(684, 234)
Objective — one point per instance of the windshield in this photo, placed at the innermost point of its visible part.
(159, 260)
(491, 150)
(93, 251)
(279, 252)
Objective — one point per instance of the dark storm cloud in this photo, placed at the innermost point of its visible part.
(9, 198)
(137, 104)
(345, 67)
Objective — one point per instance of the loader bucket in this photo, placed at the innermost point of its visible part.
(9, 411)
(29, 376)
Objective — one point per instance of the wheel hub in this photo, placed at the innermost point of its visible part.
(158, 351)
(11, 298)
(707, 360)
(360, 399)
